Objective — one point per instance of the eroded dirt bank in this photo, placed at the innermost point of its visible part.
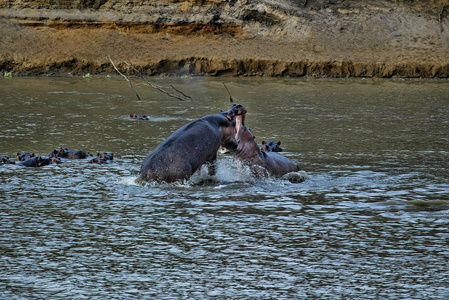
(341, 38)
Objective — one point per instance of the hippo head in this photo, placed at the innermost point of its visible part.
(246, 145)
(271, 146)
(237, 110)
(229, 142)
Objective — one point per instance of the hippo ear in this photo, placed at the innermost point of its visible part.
(279, 143)
(263, 142)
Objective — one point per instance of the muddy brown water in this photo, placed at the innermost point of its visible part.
(371, 221)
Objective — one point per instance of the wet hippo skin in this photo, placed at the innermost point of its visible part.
(188, 148)
(261, 163)
(35, 162)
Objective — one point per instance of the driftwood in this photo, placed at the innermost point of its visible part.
(157, 87)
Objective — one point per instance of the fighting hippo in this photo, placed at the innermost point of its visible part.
(261, 163)
(271, 146)
(188, 148)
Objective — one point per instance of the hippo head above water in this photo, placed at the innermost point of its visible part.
(271, 146)
(247, 148)
(261, 163)
(236, 110)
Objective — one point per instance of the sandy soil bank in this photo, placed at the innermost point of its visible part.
(346, 39)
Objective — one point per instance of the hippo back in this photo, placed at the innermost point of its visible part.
(279, 165)
(185, 151)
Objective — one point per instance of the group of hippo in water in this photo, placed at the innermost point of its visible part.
(56, 156)
(196, 143)
(188, 149)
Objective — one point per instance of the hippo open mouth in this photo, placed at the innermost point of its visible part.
(239, 111)
(235, 114)
(239, 126)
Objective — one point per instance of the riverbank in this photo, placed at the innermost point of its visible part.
(261, 38)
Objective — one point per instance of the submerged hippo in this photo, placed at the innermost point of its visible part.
(261, 163)
(24, 156)
(139, 117)
(188, 148)
(35, 162)
(102, 158)
(39, 161)
(66, 153)
(6, 161)
(271, 146)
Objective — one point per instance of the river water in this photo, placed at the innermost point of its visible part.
(370, 222)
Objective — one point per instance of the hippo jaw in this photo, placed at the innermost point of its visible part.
(229, 142)
(239, 128)
(247, 148)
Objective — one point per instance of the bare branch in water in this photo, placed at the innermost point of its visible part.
(159, 88)
(124, 76)
(230, 96)
(187, 96)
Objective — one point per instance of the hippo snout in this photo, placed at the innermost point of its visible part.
(237, 110)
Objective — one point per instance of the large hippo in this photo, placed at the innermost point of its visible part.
(188, 148)
(261, 163)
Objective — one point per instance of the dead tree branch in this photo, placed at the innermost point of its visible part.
(159, 88)
(123, 75)
(230, 96)
(187, 96)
